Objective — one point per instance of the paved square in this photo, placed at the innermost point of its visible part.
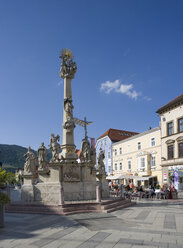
(151, 223)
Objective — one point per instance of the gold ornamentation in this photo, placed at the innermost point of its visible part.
(66, 53)
(68, 67)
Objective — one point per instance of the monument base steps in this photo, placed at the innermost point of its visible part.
(105, 206)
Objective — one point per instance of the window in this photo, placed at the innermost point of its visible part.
(115, 166)
(115, 152)
(109, 169)
(170, 128)
(142, 163)
(139, 145)
(153, 142)
(153, 161)
(180, 150)
(180, 125)
(129, 165)
(120, 150)
(170, 152)
(120, 166)
(109, 155)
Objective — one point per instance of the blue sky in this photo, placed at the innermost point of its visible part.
(129, 58)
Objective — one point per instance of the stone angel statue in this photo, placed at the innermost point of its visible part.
(54, 147)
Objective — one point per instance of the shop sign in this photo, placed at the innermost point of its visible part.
(164, 177)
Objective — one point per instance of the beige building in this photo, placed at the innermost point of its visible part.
(171, 121)
(139, 157)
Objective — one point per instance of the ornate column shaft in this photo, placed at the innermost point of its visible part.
(67, 72)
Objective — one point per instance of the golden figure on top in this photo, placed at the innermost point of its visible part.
(66, 53)
(68, 67)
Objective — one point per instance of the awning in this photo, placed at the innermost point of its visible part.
(118, 177)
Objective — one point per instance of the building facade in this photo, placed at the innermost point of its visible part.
(139, 156)
(171, 122)
(105, 142)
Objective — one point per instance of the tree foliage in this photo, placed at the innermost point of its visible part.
(4, 199)
(5, 178)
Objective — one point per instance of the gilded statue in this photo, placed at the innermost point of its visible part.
(68, 67)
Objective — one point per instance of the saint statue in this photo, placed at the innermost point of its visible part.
(54, 147)
(101, 166)
(69, 123)
(42, 156)
(85, 151)
(30, 162)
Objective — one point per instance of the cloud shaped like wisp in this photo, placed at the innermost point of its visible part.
(126, 89)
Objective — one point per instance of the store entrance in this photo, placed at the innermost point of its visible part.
(153, 181)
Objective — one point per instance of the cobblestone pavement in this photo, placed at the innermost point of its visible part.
(151, 223)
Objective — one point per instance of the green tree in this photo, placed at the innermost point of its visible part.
(5, 178)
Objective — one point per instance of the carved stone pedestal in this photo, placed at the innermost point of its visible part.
(27, 192)
(79, 182)
(103, 183)
(47, 190)
(66, 182)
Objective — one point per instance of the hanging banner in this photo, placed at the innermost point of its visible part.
(176, 176)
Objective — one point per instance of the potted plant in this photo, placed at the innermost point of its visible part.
(4, 198)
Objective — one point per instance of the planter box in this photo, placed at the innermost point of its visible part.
(1, 215)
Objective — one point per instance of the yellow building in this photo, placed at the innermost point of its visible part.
(171, 122)
(139, 157)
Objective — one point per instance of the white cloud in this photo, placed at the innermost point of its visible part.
(147, 98)
(108, 86)
(126, 89)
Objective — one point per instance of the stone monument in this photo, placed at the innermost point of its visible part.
(63, 178)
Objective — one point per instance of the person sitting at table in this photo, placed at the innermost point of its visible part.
(152, 192)
(162, 193)
(142, 193)
(128, 187)
(135, 193)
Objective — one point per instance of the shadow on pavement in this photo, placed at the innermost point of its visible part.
(23, 226)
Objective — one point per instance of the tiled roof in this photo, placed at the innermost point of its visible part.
(117, 135)
(171, 104)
